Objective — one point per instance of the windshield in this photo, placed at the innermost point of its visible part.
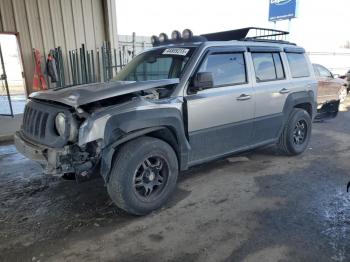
(163, 63)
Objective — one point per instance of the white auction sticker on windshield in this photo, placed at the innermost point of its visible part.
(176, 51)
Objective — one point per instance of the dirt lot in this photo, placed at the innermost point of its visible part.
(257, 207)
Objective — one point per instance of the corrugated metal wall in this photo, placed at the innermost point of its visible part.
(45, 24)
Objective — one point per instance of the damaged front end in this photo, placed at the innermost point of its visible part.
(83, 161)
(49, 136)
(66, 134)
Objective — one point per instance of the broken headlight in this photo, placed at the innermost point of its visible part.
(60, 124)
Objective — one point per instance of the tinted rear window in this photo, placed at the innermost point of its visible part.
(298, 65)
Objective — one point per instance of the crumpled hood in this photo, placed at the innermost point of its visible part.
(83, 94)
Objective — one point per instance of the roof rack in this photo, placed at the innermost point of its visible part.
(244, 34)
(248, 34)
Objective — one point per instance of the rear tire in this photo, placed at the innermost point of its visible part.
(296, 133)
(143, 176)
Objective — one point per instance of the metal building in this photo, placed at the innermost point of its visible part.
(46, 24)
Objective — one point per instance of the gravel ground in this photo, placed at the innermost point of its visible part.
(259, 206)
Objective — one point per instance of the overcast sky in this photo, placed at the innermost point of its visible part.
(320, 26)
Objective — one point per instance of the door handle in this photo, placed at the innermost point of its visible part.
(284, 91)
(243, 97)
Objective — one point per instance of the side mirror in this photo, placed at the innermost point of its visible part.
(202, 80)
(336, 75)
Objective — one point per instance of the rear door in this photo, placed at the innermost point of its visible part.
(220, 118)
(271, 90)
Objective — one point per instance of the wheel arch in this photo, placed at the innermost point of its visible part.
(165, 124)
(305, 100)
(307, 106)
(168, 135)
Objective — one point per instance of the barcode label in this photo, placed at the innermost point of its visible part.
(176, 51)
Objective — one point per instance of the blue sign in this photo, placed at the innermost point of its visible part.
(282, 9)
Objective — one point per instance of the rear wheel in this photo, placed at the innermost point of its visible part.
(143, 176)
(296, 133)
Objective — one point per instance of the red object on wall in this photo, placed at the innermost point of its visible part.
(39, 82)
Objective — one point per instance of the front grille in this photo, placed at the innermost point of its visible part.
(39, 123)
(34, 122)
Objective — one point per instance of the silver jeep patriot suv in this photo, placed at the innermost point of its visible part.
(186, 101)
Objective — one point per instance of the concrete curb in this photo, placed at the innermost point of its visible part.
(9, 125)
(8, 138)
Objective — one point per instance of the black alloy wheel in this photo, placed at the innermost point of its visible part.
(151, 176)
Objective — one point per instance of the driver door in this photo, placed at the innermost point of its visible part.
(220, 118)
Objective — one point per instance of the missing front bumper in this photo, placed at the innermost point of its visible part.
(59, 161)
(48, 158)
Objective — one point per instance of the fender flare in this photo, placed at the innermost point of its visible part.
(295, 99)
(130, 125)
(298, 98)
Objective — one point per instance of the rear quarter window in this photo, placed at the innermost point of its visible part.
(298, 65)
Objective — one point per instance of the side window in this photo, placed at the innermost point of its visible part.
(298, 65)
(268, 66)
(227, 68)
(317, 73)
(324, 72)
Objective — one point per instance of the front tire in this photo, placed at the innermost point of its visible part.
(143, 176)
(296, 133)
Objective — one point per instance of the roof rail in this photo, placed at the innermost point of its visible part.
(248, 33)
(270, 41)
